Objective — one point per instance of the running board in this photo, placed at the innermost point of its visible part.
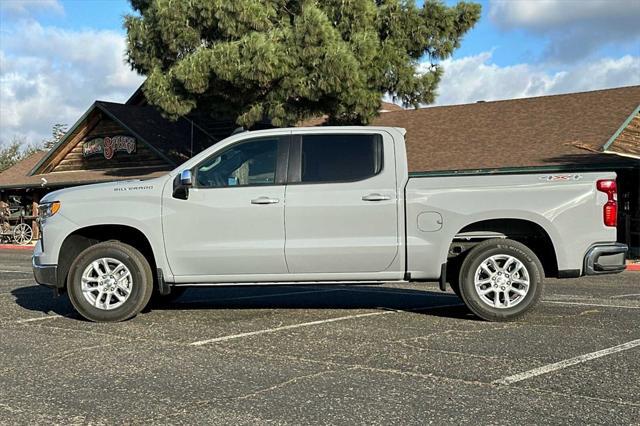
(286, 283)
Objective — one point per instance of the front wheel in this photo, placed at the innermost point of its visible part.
(109, 282)
(501, 280)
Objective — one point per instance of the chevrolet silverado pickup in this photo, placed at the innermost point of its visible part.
(325, 205)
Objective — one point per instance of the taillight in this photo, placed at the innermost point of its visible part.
(610, 209)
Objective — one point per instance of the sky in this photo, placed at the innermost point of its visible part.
(58, 56)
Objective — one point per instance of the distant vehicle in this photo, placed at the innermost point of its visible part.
(320, 206)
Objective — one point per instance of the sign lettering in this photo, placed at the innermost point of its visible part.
(108, 146)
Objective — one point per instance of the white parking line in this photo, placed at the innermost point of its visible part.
(16, 272)
(625, 295)
(307, 324)
(566, 363)
(559, 302)
(48, 317)
(286, 327)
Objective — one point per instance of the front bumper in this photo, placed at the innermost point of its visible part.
(605, 259)
(46, 275)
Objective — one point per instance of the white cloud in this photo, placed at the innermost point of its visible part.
(572, 29)
(475, 78)
(21, 8)
(50, 75)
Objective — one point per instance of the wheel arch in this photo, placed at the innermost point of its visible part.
(525, 231)
(82, 238)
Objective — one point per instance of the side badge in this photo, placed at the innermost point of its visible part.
(560, 178)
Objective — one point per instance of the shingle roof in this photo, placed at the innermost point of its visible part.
(626, 141)
(566, 129)
(16, 176)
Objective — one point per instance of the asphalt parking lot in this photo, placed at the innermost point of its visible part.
(394, 354)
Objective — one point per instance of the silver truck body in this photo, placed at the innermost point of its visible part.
(391, 226)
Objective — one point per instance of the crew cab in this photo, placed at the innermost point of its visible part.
(324, 205)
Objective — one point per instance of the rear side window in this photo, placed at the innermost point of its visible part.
(340, 158)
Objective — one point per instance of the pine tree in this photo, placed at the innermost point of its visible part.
(57, 132)
(287, 60)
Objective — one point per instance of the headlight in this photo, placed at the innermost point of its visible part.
(49, 209)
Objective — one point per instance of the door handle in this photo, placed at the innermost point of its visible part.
(375, 197)
(264, 200)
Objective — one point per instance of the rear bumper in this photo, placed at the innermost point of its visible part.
(605, 259)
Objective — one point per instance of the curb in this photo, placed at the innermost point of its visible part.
(633, 267)
(14, 247)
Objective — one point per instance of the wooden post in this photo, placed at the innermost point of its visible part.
(35, 212)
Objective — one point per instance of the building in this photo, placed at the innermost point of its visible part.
(577, 132)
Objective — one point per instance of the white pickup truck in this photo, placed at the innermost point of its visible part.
(320, 206)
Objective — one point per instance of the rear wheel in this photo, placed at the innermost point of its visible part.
(110, 281)
(501, 280)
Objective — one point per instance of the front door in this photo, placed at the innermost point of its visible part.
(231, 226)
(342, 204)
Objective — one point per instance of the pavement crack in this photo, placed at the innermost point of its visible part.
(66, 354)
(576, 395)
(465, 354)
(291, 381)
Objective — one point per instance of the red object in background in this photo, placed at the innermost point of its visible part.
(610, 209)
(15, 247)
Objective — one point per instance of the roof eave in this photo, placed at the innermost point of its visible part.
(62, 140)
(620, 129)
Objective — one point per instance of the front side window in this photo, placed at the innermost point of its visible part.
(245, 164)
(340, 158)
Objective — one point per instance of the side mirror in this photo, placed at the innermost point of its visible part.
(185, 178)
(181, 185)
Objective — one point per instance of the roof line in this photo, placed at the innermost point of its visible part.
(116, 119)
(530, 98)
(62, 140)
(621, 128)
(138, 90)
(67, 135)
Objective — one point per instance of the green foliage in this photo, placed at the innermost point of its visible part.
(57, 132)
(288, 60)
(15, 151)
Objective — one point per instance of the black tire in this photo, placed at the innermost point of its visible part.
(455, 286)
(483, 252)
(141, 281)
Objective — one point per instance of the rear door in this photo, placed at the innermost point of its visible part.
(341, 213)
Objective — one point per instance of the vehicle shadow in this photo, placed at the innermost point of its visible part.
(319, 297)
(41, 299)
(36, 298)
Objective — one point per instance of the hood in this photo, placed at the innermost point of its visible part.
(98, 189)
